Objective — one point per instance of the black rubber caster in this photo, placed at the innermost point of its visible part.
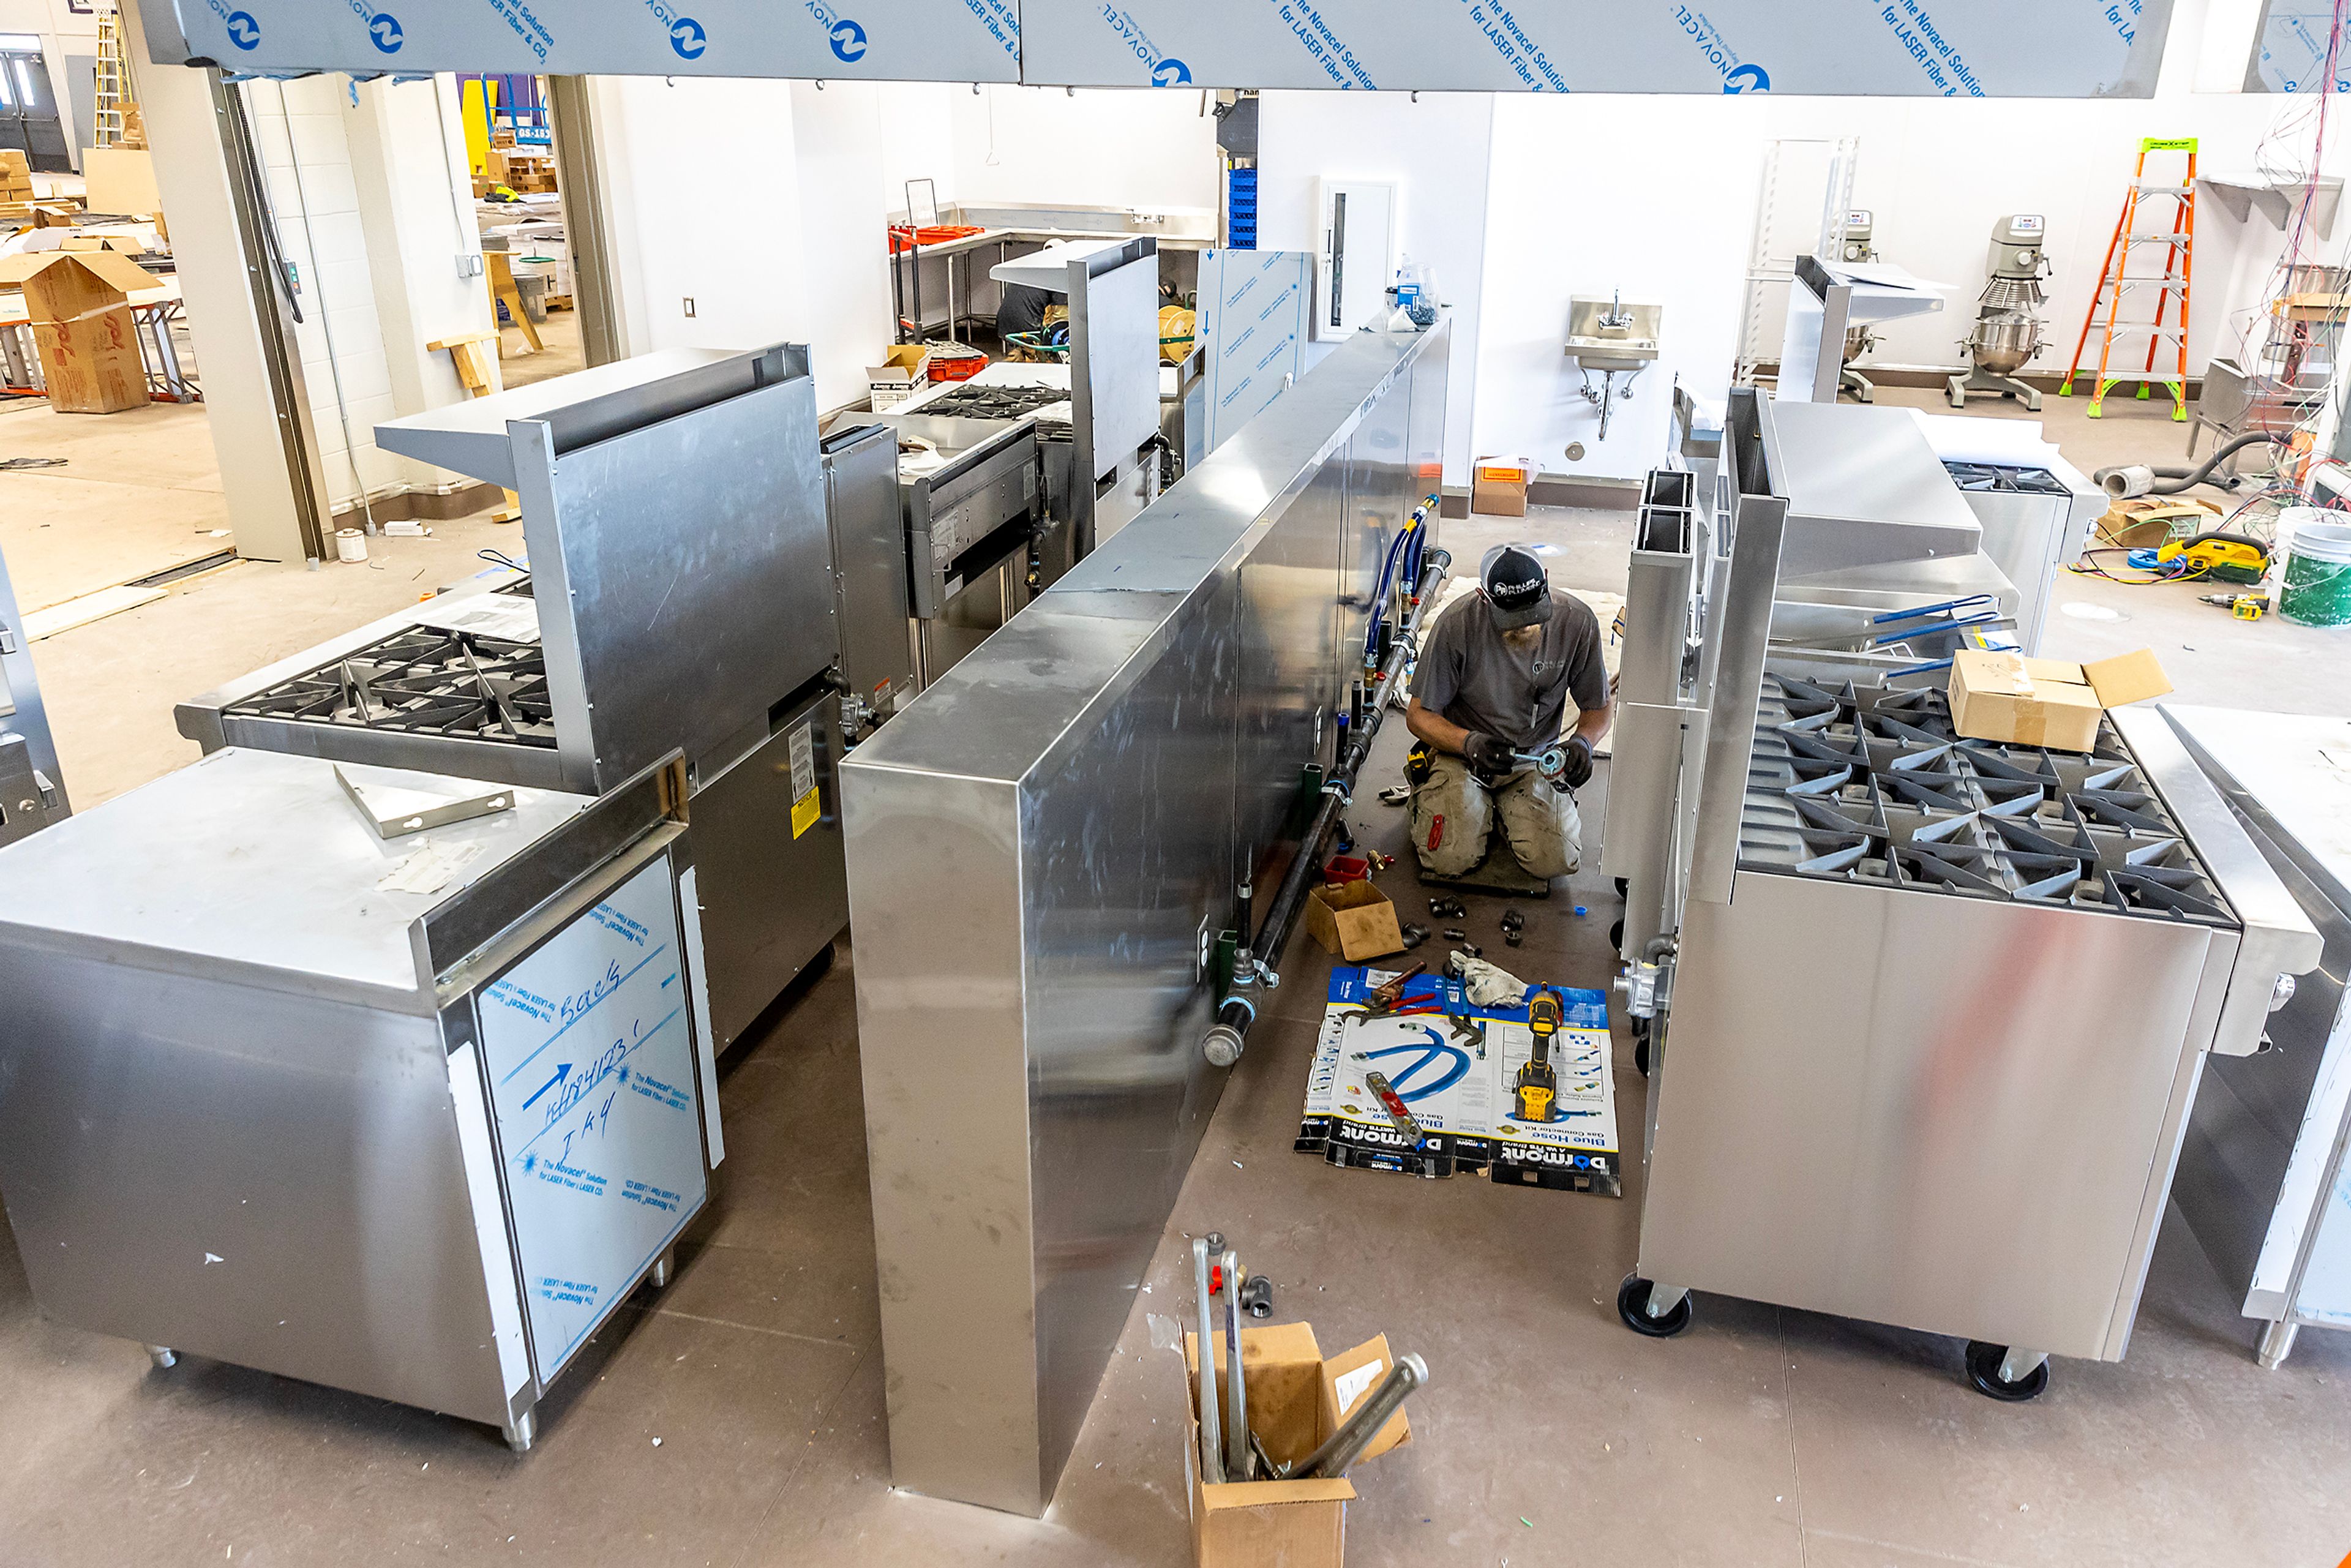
(1641, 1045)
(1615, 937)
(1983, 1372)
(1623, 886)
(1633, 1306)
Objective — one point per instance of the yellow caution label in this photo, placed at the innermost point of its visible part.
(804, 813)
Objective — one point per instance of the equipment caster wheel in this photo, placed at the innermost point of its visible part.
(1633, 1306)
(1988, 1374)
(1616, 936)
(1641, 1033)
(1624, 886)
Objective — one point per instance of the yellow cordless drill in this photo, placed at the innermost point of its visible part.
(1538, 1086)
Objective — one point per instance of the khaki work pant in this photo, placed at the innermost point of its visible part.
(1453, 813)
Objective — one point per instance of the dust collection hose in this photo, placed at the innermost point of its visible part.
(1226, 1038)
(2138, 479)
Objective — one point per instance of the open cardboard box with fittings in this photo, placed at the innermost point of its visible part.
(1297, 1400)
(1353, 920)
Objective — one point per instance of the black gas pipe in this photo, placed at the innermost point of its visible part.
(1229, 1034)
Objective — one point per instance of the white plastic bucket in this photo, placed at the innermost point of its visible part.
(350, 545)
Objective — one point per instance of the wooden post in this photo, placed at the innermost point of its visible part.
(478, 368)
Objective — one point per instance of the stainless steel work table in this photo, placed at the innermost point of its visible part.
(2266, 1174)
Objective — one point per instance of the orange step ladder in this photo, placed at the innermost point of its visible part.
(2116, 280)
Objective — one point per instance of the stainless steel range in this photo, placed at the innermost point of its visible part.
(1926, 1015)
(682, 594)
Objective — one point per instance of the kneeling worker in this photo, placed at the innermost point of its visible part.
(1493, 682)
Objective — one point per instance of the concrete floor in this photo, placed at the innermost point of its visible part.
(1550, 1434)
(140, 494)
(560, 352)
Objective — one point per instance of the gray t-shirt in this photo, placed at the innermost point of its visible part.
(1471, 676)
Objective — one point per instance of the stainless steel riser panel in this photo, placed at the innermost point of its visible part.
(770, 900)
(747, 586)
(1036, 846)
(868, 562)
(1126, 848)
(183, 1163)
(1925, 1110)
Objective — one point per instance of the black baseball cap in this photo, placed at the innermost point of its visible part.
(1517, 588)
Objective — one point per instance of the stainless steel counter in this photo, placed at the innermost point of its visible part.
(32, 789)
(267, 1078)
(2265, 1175)
(1038, 847)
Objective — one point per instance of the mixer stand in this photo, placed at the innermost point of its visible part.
(1978, 380)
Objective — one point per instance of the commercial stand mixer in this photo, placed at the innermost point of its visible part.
(2008, 324)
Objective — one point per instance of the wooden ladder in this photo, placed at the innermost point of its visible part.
(116, 121)
(2116, 279)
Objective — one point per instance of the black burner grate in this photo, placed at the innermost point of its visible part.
(1867, 784)
(970, 402)
(426, 681)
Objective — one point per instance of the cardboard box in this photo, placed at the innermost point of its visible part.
(2045, 702)
(121, 180)
(81, 326)
(906, 368)
(1498, 485)
(1296, 1400)
(1354, 921)
(2149, 520)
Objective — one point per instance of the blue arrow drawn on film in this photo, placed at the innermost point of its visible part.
(562, 1072)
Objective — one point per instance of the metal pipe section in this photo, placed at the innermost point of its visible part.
(1212, 1452)
(2140, 479)
(1224, 1043)
(1038, 847)
(1338, 1456)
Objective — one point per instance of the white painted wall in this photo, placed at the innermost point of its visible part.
(1663, 216)
(1657, 197)
(416, 208)
(1148, 148)
(762, 201)
(1435, 153)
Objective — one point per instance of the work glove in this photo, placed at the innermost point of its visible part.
(1487, 985)
(1576, 772)
(1489, 754)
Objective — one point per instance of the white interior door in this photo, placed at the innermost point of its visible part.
(1356, 254)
